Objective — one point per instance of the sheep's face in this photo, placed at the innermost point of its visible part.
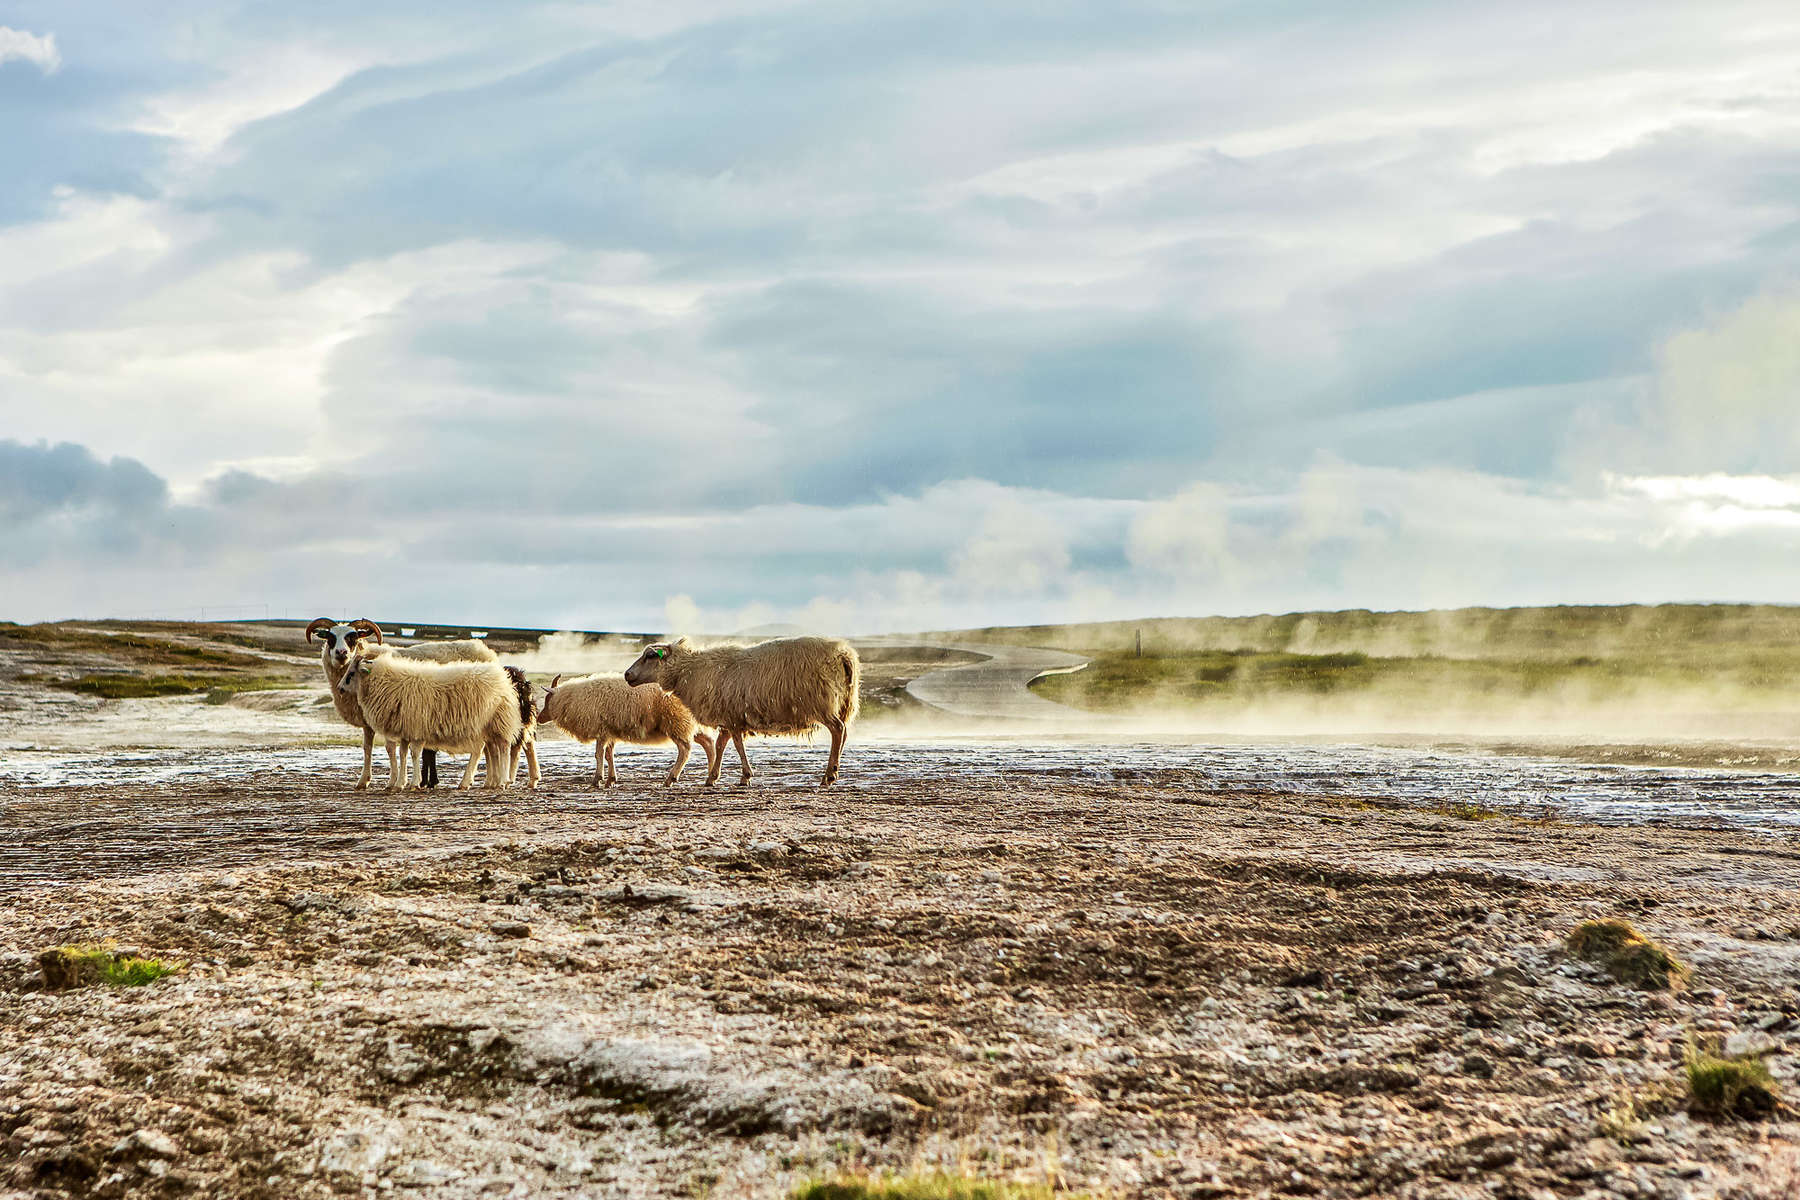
(351, 684)
(339, 641)
(649, 665)
(547, 705)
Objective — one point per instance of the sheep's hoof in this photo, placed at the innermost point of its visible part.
(361, 787)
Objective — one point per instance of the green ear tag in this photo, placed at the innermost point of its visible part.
(660, 653)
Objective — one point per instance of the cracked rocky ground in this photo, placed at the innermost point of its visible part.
(1160, 990)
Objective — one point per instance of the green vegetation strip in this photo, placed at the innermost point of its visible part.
(1224, 679)
(89, 963)
(137, 687)
(127, 646)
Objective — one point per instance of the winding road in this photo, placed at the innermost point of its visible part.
(997, 688)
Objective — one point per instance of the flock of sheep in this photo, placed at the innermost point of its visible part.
(455, 697)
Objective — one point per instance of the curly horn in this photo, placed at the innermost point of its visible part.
(556, 681)
(318, 624)
(367, 626)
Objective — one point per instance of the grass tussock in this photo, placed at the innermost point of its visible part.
(1724, 1088)
(1629, 956)
(89, 963)
(932, 1186)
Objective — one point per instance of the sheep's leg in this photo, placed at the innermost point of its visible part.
(468, 775)
(683, 748)
(394, 768)
(599, 763)
(362, 785)
(428, 768)
(531, 762)
(496, 765)
(512, 760)
(405, 765)
(715, 758)
(838, 733)
(737, 739)
(612, 763)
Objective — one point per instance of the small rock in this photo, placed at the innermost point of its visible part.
(693, 872)
(1748, 1042)
(424, 1173)
(352, 1152)
(768, 848)
(514, 929)
(1478, 1066)
(150, 1142)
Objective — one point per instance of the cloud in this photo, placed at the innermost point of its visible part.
(922, 313)
(18, 46)
(41, 480)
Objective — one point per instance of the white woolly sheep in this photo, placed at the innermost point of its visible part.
(473, 707)
(785, 686)
(605, 710)
(341, 639)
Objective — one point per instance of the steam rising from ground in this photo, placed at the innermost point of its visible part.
(567, 653)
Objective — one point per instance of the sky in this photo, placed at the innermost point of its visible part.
(693, 315)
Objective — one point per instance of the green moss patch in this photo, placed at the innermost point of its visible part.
(88, 964)
(1627, 955)
(1722, 1087)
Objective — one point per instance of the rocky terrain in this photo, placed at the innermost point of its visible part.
(1139, 987)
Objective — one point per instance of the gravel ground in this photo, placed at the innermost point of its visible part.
(1148, 988)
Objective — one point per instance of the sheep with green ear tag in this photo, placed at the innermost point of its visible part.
(792, 685)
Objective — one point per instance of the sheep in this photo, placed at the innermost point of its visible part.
(785, 686)
(341, 639)
(605, 710)
(454, 706)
